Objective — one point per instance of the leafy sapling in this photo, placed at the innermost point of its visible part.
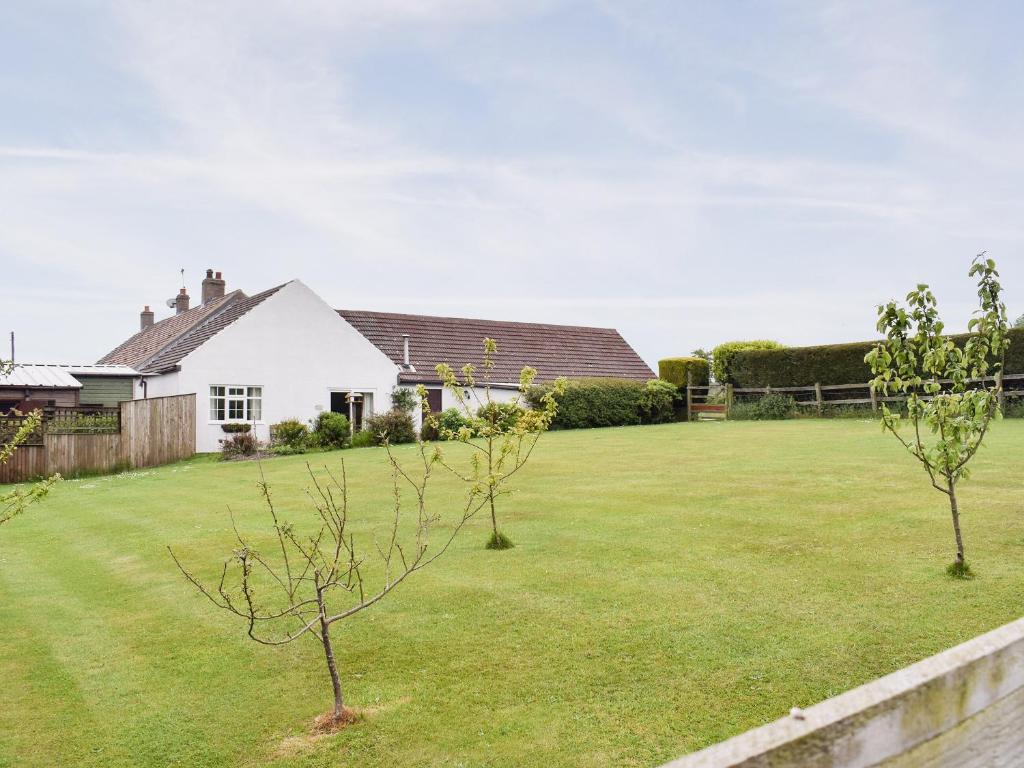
(21, 429)
(952, 392)
(500, 434)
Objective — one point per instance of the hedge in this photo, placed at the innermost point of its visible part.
(674, 370)
(829, 364)
(607, 403)
(723, 354)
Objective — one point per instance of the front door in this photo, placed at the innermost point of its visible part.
(434, 400)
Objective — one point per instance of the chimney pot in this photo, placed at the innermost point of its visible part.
(213, 287)
(145, 318)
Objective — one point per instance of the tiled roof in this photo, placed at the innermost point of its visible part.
(138, 349)
(202, 332)
(554, 350)
(164, 344)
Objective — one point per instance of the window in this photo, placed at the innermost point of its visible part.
(236, 403)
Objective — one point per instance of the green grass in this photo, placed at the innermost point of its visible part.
(670, 586)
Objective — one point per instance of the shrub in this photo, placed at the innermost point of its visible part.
(404, 399)
(503, 415)
(770, 407)
(239, 444)
(674, 369)
(658, 401)
(593, 403)
(587, 403)
(235, 427)
(451, 420)
(287, 450)
(394, 426)
(831, 363)
(362, 439)
(722, 355)
(290, 433)
(331, 430)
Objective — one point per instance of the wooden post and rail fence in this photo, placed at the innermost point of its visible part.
(820, 396)
(70, 441)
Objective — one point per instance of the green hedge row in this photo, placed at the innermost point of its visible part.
(723, 355)
(828, 364)
(610, 403)
(674, 370)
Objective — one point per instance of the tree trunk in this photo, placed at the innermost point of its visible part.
(955, 510)
(494, 516)
(325, 638)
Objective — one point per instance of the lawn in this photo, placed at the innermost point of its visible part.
(672, 586)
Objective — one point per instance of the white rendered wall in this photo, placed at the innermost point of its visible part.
(294, 346)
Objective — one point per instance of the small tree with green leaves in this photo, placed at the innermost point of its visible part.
(949, 404)
(16, 501)
(501, 435)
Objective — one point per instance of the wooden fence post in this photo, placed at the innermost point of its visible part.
(728, 399)
(1000, 395)
(689, 395)
(874, 398)
(818, 397)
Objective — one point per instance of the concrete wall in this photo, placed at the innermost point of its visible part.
(963, 707)
(296, 348)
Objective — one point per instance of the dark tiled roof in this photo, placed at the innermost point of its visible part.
(554, 350)
(167, 348)
(146, 344)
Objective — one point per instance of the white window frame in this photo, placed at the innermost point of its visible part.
(240, 403)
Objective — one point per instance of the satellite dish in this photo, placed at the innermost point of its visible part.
(171, 302)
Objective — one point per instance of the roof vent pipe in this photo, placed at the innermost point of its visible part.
(405, 348)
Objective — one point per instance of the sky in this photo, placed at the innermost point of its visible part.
(687, 172)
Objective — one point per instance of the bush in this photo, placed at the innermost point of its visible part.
(235, 427)
(658, 401)
(291, 434)
(674, 370)
(394, 426)
(451, 419)
(362, 439)
(590, 403)
(504, 415)
(830, 363)
(772, 406)
(722, 356)
(404, 399)
(239, 444)
(287, 450)
(331, 430)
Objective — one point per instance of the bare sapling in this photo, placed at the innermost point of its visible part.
(500, 434)
(952, 390)
(302, 586)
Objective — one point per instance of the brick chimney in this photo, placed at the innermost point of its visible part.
(145, 318)
(181, 302)
(213, 287)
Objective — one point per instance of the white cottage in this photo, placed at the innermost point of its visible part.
(284, 353)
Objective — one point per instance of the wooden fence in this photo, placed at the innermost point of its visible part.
(963, 707)
(819, 396)
(148, 432)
